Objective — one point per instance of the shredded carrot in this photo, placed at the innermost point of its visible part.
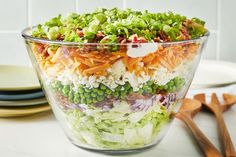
(96, 63)
(84, 61)
(98, 60)
(148, 58)
(96, 69)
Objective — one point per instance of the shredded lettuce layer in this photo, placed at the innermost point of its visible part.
(117, 128)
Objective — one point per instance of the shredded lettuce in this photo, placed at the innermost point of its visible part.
(117, 128)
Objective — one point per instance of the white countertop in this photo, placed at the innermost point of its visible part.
(40, 135)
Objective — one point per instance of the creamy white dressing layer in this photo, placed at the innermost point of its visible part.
(117, 75)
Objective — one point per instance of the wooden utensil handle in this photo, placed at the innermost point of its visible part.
(225, 137)
(208, 148)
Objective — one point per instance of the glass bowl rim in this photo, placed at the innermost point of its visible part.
(26, 36)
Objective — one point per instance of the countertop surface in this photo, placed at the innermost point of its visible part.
(40, 135)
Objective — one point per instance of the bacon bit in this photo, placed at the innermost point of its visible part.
(123, 41)
(185, 33)
(40, 48)
(142, 40)
(121, 38)
(60, 37)
(162, 35)
(80, 33)
(157, 39)
(100, 34)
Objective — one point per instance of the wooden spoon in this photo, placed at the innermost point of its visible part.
(229, 101)
(217, 109)
(189, 108)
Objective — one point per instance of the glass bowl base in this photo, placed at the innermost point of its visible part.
(120, 151)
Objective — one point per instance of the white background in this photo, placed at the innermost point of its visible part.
(15, 15)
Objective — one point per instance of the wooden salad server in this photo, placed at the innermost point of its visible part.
(217, 108)
(189, 108)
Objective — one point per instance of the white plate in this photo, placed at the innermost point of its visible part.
(31, 102)
(15, 78)
(211, 73)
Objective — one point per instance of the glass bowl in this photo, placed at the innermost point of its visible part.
(114, 98)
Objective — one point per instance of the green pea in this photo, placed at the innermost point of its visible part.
(123, 93)
(161, 87)
(66, 90)
(115, 94)
(173, 89)
(130, 91)
(89, 101)
(87, 90)
(148, 90)
(154, 91)
(76, 100)
(155, 86)
(93, 94)
(71, 96)
(83, 101)
(100, 92)
(71, 93)
(108, 91)
(171, 83)
(95, 100)
(150, 83)
(145, 87)
(178, 79)
(127, 86)
(118, 88)
(103, 87)
(169, 89)
(180, 84)
(82, 96)
(165, 87)
(100, 98)
(80, 90)
(86, 95)
(76, 94)
(95, 90)
(140, 91)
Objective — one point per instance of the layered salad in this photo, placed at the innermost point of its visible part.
(114, 76)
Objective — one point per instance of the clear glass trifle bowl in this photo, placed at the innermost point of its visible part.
(114, 96)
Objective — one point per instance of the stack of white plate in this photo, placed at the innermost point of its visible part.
(20, 92)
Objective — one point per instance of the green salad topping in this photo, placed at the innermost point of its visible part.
(120, 26)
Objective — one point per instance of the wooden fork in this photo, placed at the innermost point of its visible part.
(217, 108)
